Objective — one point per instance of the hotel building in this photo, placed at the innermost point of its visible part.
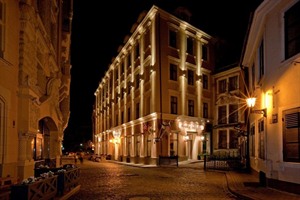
(157, 97)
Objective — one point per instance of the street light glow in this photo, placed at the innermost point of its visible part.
(251, 102)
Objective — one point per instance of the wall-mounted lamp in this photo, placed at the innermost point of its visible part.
(186, 138)
(251, 103)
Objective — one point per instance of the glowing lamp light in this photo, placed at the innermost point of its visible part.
(251, 102)
(202, 137)
(186, 137)
(201, 127)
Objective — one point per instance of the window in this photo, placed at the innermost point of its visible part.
(128, 115)
(116, 74)
(111, 84)
(173, 72)
(261, 60)
(205, 81)
(122, 93)
(233, 83)
(292, 33)
(190, 46)
(122, 68)
(222, 119)
(173, 105)
(2, 28)
(190, 108)
(137, 111)
(128, 87)
(147, 38)
(128, 60)
(233, 113)
(222, 86)
(205, 110)
(204, 53)
(147, 105)
(137, 81)
(233, 139)
(261, 128)
(172, 39)
(190, 77)
(222, 139)
(137, 51)
(122, 117)
(291, 135)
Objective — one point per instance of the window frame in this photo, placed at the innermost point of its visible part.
(292, 36)
(174, 104)
(172, 38)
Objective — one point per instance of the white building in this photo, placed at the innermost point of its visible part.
(272, 55)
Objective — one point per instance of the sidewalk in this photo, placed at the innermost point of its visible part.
(246, 186)
(243, 185)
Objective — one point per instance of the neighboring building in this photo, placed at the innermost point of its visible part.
(156, 99)
(229, 118)
(272, 56)
(34, 84)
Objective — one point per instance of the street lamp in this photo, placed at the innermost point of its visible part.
(251, 103)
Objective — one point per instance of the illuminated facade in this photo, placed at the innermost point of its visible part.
(229, 139)
(272, 57)
(34, 83)
(154, 98)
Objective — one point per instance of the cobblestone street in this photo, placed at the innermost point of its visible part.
(108, 180)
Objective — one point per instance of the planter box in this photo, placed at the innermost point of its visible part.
(42, 189)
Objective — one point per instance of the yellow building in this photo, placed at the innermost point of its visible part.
(155, 98)
(272, 57)
(34, 83)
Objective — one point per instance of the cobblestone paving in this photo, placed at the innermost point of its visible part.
(107, 180)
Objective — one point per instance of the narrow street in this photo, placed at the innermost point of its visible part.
(109, 180)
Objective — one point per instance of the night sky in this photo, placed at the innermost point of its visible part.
(99, 28)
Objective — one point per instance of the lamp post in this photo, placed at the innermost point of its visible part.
(251, 103)
(203, 139)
